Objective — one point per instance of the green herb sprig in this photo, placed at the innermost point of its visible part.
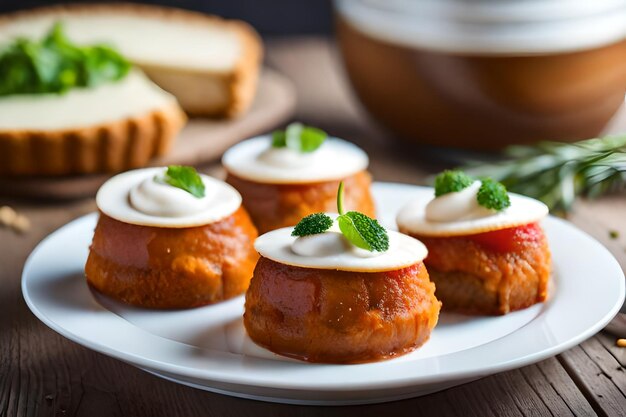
(55, 65)
(186, 178)
(557, 173)
(359, 229)
(299, 137)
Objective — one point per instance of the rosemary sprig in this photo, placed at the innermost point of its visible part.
(557, 173)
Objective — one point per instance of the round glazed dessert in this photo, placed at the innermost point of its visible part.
(319, 298)
(170, 238)
(487, 253)
(282, 181)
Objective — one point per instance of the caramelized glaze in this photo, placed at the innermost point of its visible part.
(172, 267)
(337, 316)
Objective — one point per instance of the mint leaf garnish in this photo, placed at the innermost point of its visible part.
(54, 65)
(363, 231)
(299, 137)
(186, 178)
(450, 181)
(360, 230)
(279, 139)
(312, 224)
(493, 195)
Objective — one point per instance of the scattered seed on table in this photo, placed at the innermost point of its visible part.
(7, 216)
(21, 224)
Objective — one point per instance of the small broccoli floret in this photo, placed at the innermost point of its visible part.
(450, 181)
(493, 195)
(312, 224)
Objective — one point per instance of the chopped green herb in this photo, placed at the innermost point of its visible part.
(299, 137)
(186, 178)
(54, 65)
(613, 234)
(493, 195)
(312, 224)
(450, 181)
(361, 230)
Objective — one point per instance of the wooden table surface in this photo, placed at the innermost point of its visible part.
(42, 373)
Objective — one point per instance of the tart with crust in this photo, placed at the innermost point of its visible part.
(170, 238)
(68, 109)
(340, 289)
(290, 174)
(487, 252)
(211, 65)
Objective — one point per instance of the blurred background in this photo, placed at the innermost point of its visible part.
(462, 80)
(269, 17)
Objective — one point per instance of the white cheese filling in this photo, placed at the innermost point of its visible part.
(150, 40)
(132, 96)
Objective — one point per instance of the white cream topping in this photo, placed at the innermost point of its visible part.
(322, 244)
(134, 95)
(331, 242)
(330, 250)
(155, 197)
(135, 197)
(287, 158)
(256, 160)
(460, 205)
(163, 41)
(427, 218)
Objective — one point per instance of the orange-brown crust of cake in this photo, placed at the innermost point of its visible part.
(165, 268)
(241, 82)
(111, 147)
(331, 316)
(474, 279)
(273, 206)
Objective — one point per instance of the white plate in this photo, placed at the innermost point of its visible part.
(207, 347)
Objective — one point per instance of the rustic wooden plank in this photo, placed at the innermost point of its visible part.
(609, 342)
(599, 375)
(608, 364)
(556, 389)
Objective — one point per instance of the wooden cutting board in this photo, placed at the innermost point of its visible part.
(201, 141)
